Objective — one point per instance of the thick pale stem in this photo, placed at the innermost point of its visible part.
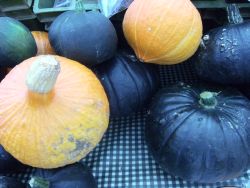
(37, 182)
(42, 74)
(208, 99)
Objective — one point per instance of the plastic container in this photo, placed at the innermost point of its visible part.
(46, 12)
(215, 4)
(24, 14)
(13, 5)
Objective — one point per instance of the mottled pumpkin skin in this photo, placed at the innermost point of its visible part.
(42, 43)
(163, 32)
(54, 129)
(16, 42)
(199, 144)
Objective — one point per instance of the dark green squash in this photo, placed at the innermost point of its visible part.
(223, 56)
(16, 42)
(8, 164)
(71, 176)
(87, 37)
(8, 182)
(200, 133)
(129, 84)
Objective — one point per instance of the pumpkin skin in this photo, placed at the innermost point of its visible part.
(224, 56)
(198, 143)
(87, 37)
(16, 42)
(56, 128)
(129, 84)
(163, 32)
(8, 163)
(75, 175)
(42, 43)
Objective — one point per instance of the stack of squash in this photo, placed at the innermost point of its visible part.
(55, 109)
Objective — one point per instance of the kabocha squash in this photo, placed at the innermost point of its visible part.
(129, 84)
(223, 56)
(71, 176)
(53, 111)
(163, 32)
(42, 43)
(16, 42)
(198, 135)
(87, 37)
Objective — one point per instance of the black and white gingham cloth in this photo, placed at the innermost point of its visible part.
(121, 160)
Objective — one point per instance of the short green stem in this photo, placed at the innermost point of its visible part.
(37, 182)
(208, 99)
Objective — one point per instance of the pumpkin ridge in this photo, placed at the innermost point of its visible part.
(166, 139)
(170, 38)
(138, 51)
(147, 78)
(225, 146)
(245, 145)
(157, 29)
(114, 92)
(169, 53)
(135, 82)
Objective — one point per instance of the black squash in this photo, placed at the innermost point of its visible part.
(16, 42)
(7, 182)
(129, 84)
(9, 164)
(223, 56)
(87, 37)
(71, 176)
(200, 133)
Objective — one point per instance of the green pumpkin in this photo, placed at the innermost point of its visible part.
(16, 42)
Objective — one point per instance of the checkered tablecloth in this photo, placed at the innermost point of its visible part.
(121, 160)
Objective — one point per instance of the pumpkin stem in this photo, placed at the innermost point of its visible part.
(37, 182)
(233, 14)
(42, 75)
(207, 99)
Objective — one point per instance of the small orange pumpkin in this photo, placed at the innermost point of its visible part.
(42, 43)
(163, 31)
(53, 111)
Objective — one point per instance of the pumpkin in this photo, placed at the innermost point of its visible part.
(8, 163)
(8, 182)
(200, 133)
(129, 84)
(75, 175)
(16, 42)
(42, 43)
(163, 32)
(223, 56)
(87, 37)
(53, 111)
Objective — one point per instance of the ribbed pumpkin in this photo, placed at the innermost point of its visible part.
(49, 119)
(42, 43)
(163, 31)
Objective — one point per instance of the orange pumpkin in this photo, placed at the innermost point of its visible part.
(163, 31)
(42, 43)
(50, 119)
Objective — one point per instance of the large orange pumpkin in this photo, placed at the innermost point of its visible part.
(42, 43)
(163, 31)
(50, 119)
